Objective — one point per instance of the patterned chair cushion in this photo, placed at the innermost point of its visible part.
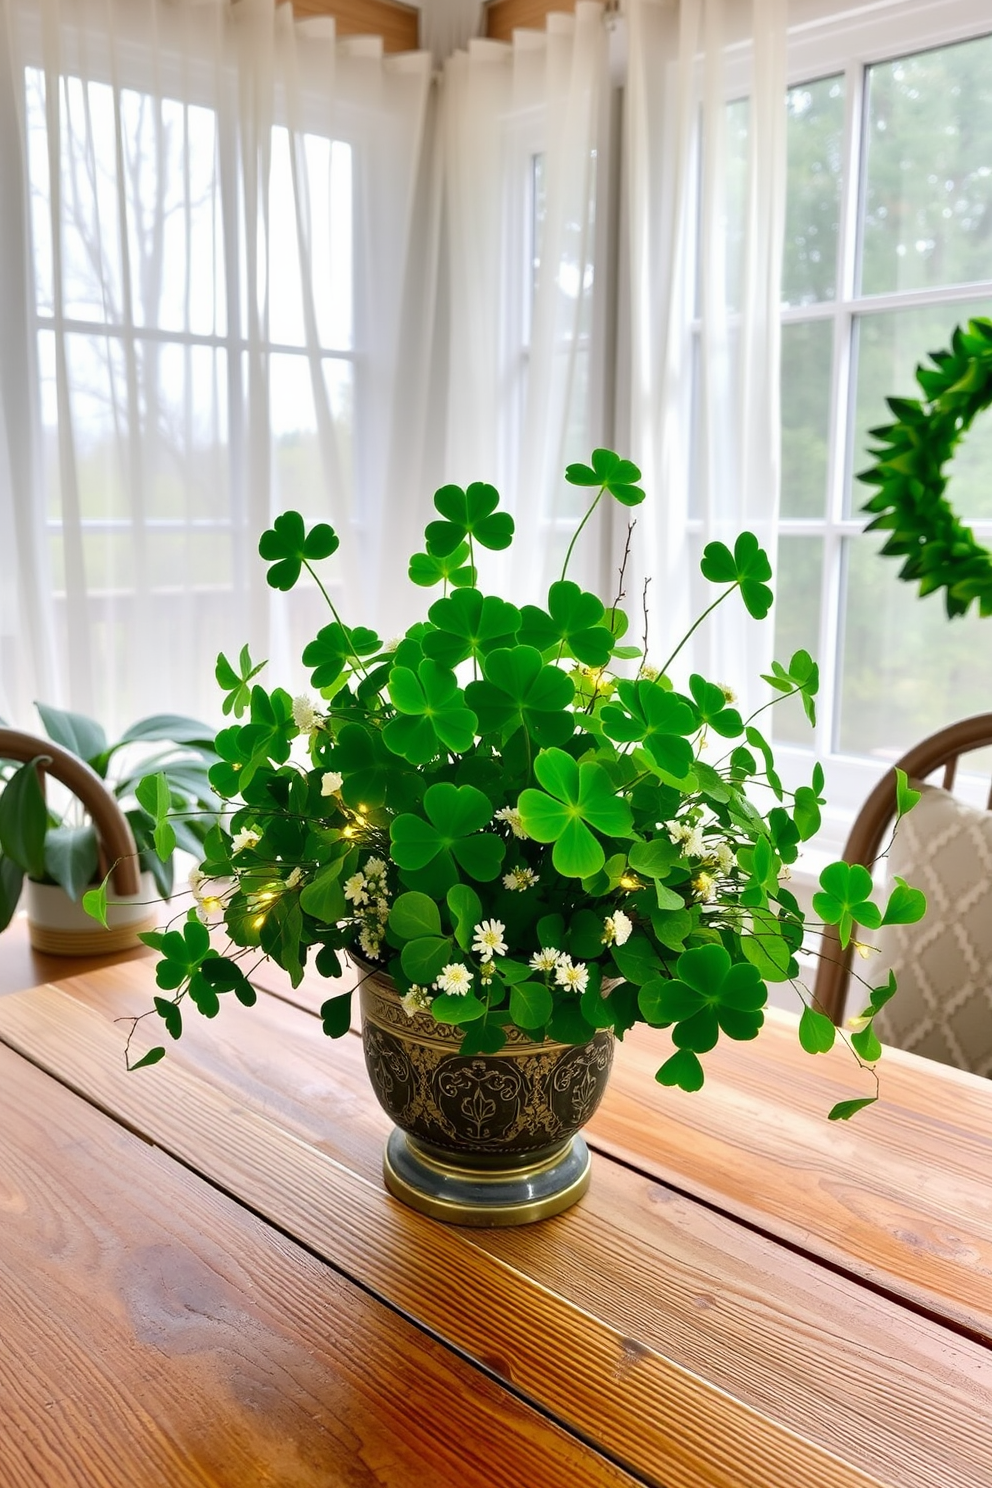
(943, 1008)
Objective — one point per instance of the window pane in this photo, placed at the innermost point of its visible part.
(890, 346)
(907, 669)
(797, 623)
(928, 194)
(812, 212)
(807, 351)
(738, 124)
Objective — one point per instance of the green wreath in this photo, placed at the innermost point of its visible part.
(910, 468)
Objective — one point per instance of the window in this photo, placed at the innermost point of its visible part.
(196, 366)
(888, 247)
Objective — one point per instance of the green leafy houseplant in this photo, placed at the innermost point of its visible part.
(521, 835)
(61, 847)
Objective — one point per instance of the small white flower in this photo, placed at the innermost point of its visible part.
(487, 939)
(417, 1000)
(294, 878)
(304, 715)
(574, 977)
(247, 837)
(617, 928)
(691, 838)
(375, 868)
(725, 857)
(369, 941)
(648, 673)
(704, 888)
(511, 815)
(519, 879)
(331, 782)
(545, 960)
(456, 979)
(487, 971)
(729, 695)
(354, 889)
(392, 643)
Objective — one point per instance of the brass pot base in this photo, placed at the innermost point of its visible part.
(484, 1196)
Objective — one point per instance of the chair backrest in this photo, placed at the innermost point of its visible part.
(114, 835)
(942, 749)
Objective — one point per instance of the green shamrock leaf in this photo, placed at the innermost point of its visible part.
(334, 646)
(803, 675)
(454, 816)
(469, 624)
(806, 805)
(236, 683)
(905, 905)
(659, 720)
(747, 566)
(683, 1069)
(575, 798)
(844, 1110)
(712, 704)
(519, 689)
(572, 620)
(470, 513)
(433, 713)
(287, 545)
(708, 995)
(372, 773)
(428, 569)
(617, 476)
(906, 796)
(816, 1032)
(845, 899)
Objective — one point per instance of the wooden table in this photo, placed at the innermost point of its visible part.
(203, 1281)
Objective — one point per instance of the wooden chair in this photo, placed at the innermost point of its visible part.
(942, 749)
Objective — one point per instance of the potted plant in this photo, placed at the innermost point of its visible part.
(60, 851)
(511, 823)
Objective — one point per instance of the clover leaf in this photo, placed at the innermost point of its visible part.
(287, 545)
(905, 905)
(708, 995)
(845, 899)
(617, 476)
(333, 646)
(658, 719)
(575, 799)
(746, 566)
(236, 683)
(451, 831)
(518, 688)
(712, 704)
(428, 569)
(572, 619)
(372, 773)
(803, 675)
(433, 713)
(470, 513)
(469, 624)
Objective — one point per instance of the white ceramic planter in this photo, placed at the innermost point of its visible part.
(61, 927)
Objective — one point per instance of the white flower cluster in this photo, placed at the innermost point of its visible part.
(368, 892)
(574, 975)
(487, 939)
(211, 895)
(456, 979)
(617, 928)
(331, 782)
(417, 1000)
(511, 815)
(247, 837)
(305, 715)
(691, 838)
(519, 879)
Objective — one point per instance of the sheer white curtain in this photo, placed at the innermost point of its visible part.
(502, 370)
(203, 245)
(706, 160)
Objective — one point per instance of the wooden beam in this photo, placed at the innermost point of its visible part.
(503, 17)
(398, 25)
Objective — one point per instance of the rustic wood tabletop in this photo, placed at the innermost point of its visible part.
(204, 1282)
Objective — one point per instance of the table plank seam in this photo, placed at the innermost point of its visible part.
(571, 1429)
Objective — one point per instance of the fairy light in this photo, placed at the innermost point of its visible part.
(629, 883)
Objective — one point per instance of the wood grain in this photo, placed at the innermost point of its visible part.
(901, 1195)
(154, 1333)
(398, 25)
(503, 17)
(21, 966)
(658, 1419)
(860, 1374)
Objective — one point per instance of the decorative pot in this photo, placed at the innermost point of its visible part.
(485, 1139)
(61, 927)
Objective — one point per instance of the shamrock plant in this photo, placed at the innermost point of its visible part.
(515, 815)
